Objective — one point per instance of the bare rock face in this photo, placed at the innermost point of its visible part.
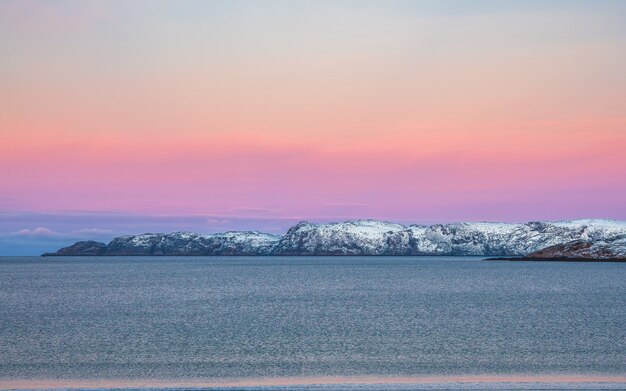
(364, 237)
(613, 249)
(88, 247)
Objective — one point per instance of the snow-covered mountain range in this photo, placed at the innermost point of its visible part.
(364, 237)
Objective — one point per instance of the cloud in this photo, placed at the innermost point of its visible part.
(94, 231)
(39, 232)
(252, 209)
(212, 221)
(348, 204)
(43, 233)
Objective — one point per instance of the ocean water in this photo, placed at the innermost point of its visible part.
(223, 318)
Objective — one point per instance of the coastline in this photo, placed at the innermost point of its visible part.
(558, 259)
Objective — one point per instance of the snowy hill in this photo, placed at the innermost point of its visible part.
(364, 237)
(369, 237)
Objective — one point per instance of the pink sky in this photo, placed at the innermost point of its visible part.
(321, 111)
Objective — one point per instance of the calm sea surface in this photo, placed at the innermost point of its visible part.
(277, 317)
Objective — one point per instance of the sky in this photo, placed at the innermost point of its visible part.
(124, 117)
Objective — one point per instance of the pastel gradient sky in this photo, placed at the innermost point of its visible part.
(128, 117)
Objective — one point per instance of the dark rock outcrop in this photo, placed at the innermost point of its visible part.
(613, 249)
(87, 247)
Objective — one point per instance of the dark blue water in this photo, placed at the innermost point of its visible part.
(251, 317)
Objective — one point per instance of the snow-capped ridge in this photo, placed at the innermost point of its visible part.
(367, 237)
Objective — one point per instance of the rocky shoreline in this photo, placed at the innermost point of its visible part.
(601, 250)
(559, 259)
